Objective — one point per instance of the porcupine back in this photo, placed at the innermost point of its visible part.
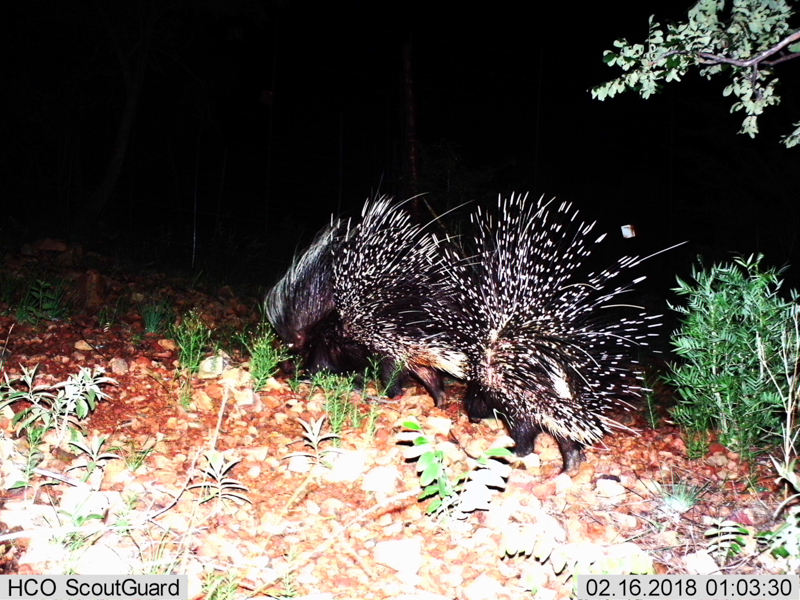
(364, 289)
(543, 349)
(388, 285)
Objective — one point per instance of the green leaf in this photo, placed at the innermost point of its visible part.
(412, 425)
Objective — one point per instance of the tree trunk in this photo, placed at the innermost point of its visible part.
(134, 66)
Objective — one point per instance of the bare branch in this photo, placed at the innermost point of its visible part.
(754, 61)
(783, 58)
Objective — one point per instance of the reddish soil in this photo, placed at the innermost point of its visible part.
(313, 530)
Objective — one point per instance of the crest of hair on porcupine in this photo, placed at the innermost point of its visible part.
(368, 288)
(545, 352)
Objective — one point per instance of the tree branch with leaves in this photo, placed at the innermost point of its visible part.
(746, 41)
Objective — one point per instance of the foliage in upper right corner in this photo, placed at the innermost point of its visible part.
(744, 39)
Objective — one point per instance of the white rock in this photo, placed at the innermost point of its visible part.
(610, 492)
(381, 479)
(44, 550)
(118, 366)
(440, 425)
(422, 595)
(299, 464)
(404, 556)
(346, 466)
(81, 502)
(483, 588)
(103, 560)
(700, 563)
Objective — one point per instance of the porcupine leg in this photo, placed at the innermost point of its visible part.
(394, 376)
(525, 434)
(571, 453)
(475, 404)
(433, 382)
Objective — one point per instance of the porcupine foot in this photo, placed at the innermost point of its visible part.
(395, 377)
(524, 434)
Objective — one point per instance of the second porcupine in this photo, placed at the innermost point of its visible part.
(368, 288)
(541, 352)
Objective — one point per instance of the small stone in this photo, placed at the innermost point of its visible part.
(347, 466)
(700, 563)
(299, 464)
(118, 366)
(404, 556)
(167, 344)
(610, 492)
(381, 479)
(483, 587)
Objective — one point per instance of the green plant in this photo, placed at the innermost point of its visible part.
(433, 475)
(651, 412)
(296, 380)
(59, 406)
(43, 301)
(216, 485)
(108, 316)
(678, 497)
(185, 391)
(192, 336)
(696, 443)
(93, 451)
(288, 577)
(731, 328)
(33, 457)
(75, 540)
(221, 586)
(161, 554)
(784, 542)
(5, 348)
(338, 406)
(728, 539)
(454, 496)
(266, 353)
(230, 339)
(156, 315)
(372, 419)
(783, 371)
(134, 458)
(126, 519)
(373, 374)
(313, 438)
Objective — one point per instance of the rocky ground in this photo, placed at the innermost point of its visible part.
(223, 483)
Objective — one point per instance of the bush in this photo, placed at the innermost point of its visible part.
(730, 340)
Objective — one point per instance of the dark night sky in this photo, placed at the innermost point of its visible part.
(502, 94)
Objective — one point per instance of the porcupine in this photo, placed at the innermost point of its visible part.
(368, 289)
(541, 352)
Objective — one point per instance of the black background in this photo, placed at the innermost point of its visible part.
(255, 125)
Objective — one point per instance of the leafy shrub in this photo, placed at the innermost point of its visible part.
(266, 353)
(43, 301)
(730, 340)
(156, 314)
(193, 337)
